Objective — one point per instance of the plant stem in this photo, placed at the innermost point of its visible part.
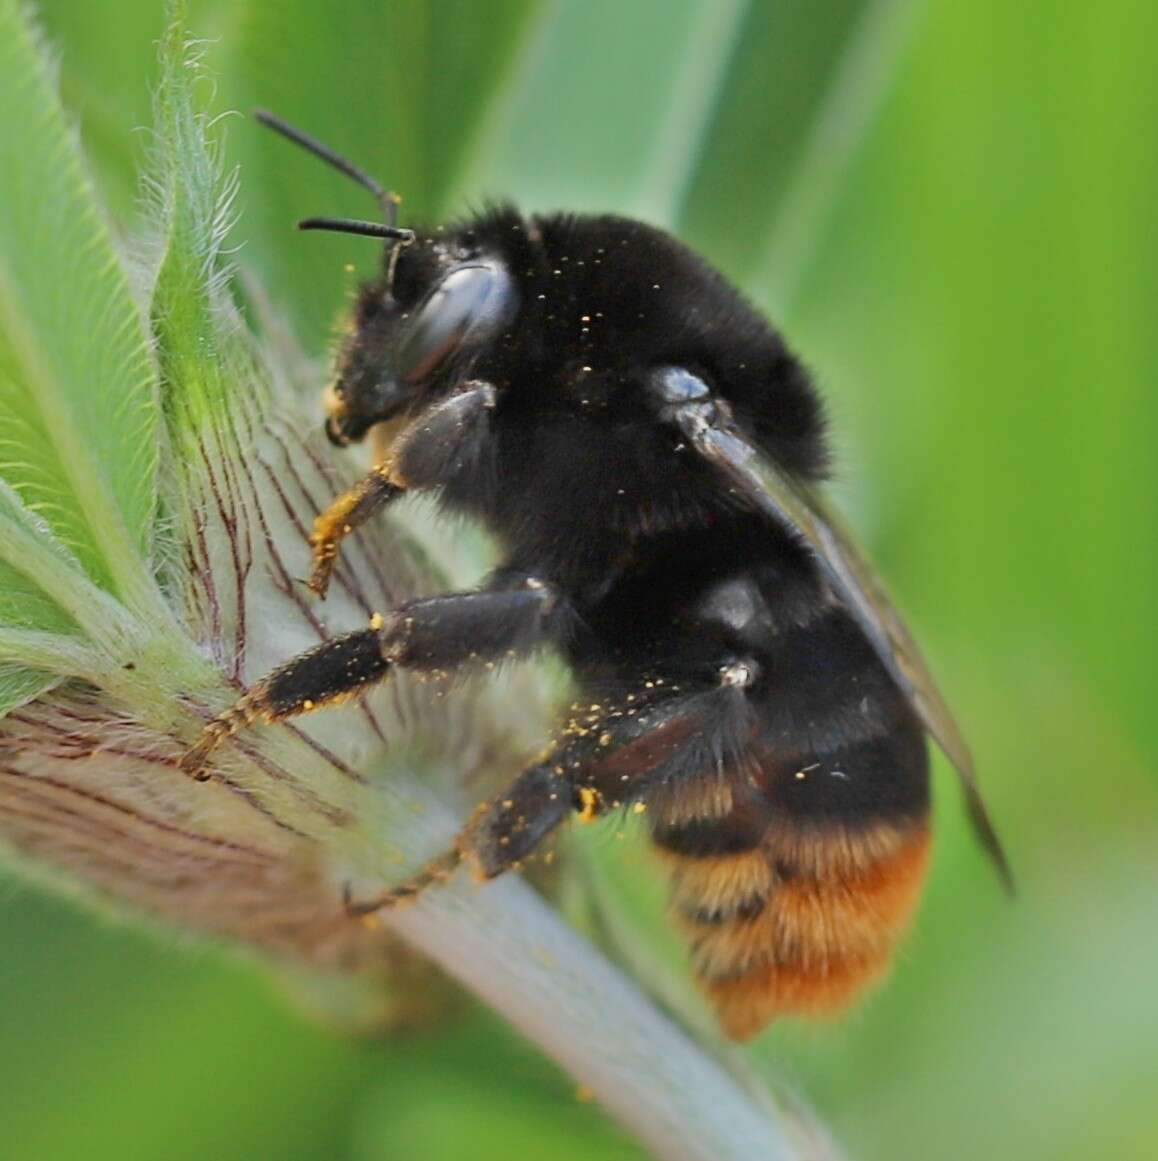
(565, 997)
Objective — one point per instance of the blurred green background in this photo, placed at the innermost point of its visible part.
(951, 209)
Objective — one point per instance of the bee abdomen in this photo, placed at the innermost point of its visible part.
(800, 925)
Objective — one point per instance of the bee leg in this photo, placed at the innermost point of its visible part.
(607, 758)
(327, 674)
(436, 634)
(436, 871)
(435, 444)
(347, 513)
(497, 837)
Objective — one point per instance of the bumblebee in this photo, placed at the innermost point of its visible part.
(647, 452)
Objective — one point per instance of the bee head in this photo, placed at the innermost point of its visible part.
(405, 346)
(424, 316)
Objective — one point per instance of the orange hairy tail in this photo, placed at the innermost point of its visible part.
(802, 924)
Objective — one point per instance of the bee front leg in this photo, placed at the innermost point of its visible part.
(344, 516)
(436, 444)
(437, 634)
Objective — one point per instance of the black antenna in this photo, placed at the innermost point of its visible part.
(387, 200)
(354, 226)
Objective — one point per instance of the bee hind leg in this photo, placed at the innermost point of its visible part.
(436, 871)
(606, 758)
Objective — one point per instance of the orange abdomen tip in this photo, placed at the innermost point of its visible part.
(772, 937)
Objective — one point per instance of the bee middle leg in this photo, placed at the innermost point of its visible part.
(436, 634)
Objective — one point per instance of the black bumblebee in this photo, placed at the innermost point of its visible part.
(646, 451)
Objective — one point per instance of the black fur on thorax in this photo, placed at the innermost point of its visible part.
(580, 474)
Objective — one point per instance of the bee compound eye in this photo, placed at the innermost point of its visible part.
(470, 306)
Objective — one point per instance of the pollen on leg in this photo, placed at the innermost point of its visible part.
(328, 674)
(589, 802)
(248, 710)
(348, 512)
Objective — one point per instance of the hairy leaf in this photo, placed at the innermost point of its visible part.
(198, 346)
(78, 404)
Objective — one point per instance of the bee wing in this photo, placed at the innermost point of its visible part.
(801, 513)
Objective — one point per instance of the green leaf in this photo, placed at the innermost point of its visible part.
(198, 340)
(30, 560)
(779, 84)
(19, 685)
(611, 107)
(105, 80)
(78, 404)
(45, 597)
(858, 80)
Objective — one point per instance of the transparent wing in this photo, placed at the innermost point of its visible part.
(801, 513)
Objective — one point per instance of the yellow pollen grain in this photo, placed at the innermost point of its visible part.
(640, 808)
(590, 800)
(307, 705)
(377, 621)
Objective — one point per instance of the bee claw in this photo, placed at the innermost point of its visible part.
(317, 584)
(195, 760)
(365, 914)
(406, 892)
